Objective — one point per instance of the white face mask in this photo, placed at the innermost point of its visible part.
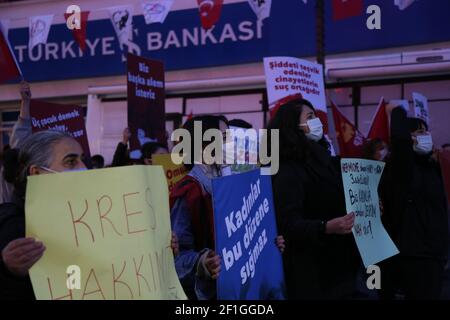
(69, 170)
(424, 144)
(315, 129)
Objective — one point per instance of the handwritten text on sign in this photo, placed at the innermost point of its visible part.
(361, 179)
(113, 224)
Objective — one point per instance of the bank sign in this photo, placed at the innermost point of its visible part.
(238, 38)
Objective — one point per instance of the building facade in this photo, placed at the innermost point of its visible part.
(221, 70)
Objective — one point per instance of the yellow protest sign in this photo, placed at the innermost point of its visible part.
(174, 172)
(107, 234)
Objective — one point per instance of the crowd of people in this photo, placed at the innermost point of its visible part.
(315, 239)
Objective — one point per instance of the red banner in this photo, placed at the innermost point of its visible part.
(146, 103)
(60, 117)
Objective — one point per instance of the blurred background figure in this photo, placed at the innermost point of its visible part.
(375, 149)
(151, 148)
(97, 161)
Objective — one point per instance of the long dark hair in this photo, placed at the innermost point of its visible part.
(294, 145)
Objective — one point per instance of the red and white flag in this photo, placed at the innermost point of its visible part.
(39, 30)
(209, 12)
(380, 123)
(156, 10)
(9, 68)
(121, 19)
(349, 139)
(261, 8)
(343, 9)
(79, 33)
(403, 4)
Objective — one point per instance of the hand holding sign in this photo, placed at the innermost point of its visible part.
(341, 225)
(212, 264)
(21, 254)
(279, 241)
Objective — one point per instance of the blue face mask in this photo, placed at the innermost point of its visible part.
(68, 170)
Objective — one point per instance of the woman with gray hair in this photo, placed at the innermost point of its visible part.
(41, 153)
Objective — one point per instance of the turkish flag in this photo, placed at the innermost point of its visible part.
(380, 124)
(80, 34)
(350, 140)
(8, 66)
(343, 9)
(209, 12)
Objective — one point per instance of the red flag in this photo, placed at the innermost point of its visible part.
(209, 12)
(9, 68)
(350, 140)
(80, 34)
(380, 124)
(190, 116)
(343, 9)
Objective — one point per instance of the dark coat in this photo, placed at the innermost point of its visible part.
(12, 226)
(413, 195)
(317, 265)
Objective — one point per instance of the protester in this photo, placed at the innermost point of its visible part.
(192, 220)
(375, 149)
(121, 155)
(20, 131)
(446, 147)
(415, 212)
(97, 161)
(151, 148)
(320, 255)
(44, 152)
(41, 153)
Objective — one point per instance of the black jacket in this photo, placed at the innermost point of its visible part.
(12, 226)
(317, 266)
(413, 195)
(120, 157)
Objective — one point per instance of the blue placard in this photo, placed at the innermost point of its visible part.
(245, 230)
